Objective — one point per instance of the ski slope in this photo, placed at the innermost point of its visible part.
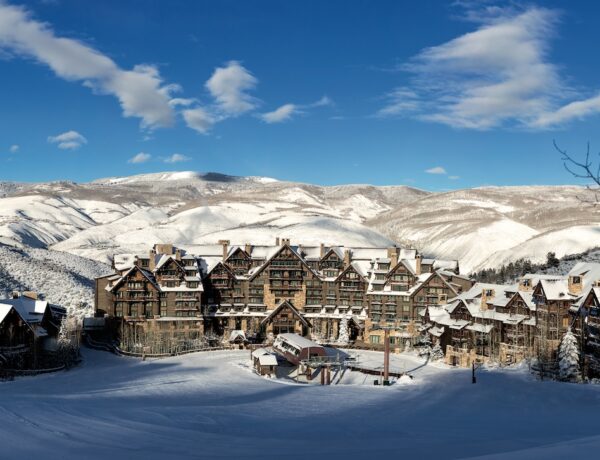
(210, 405)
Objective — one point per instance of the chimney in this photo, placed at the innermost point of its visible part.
(15, 294)
(178, 254)
(575, 284)
(277, 241)
(346, 257)
(486, 294)
(322, 250)
(30, 295)
(418, 259)
(225, 244)
(248, 248)
(393, 256)
(152, 261)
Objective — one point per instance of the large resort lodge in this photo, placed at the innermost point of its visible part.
(336, 294)
(268, 290)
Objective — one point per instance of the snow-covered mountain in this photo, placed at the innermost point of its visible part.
(483, 227)
(490, 226)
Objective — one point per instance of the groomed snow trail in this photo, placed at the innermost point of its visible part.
(210, 405)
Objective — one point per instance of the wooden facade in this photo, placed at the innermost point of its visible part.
(315, 291)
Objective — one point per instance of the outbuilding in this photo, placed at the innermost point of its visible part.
(265, 361)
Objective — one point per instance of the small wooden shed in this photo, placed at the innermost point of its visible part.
(264, 361)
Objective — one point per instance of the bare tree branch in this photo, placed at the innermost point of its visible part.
(582, 170)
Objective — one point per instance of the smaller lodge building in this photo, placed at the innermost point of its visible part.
(28, 331)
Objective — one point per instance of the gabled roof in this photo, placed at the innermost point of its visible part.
(356, 269)
(404, 263)
(235, 249)
(166, 259)
(149, 276)
(422, 283)
(337, 250)
(281, 306)
(220, 263)
(4, 311)
(557, 289)
(266, 264)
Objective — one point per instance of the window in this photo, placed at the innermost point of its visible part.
(374, 339)
(576, 279)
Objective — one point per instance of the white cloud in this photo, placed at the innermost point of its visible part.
(400, 101)
(453, 177)
(576, 110)
(229, 86)
(287, 111)
(199, 119)
(69, 140)
(13, 148)
(140, 158)
(436, 170)
(140, 91)
(280, 114)
(497, 75)
(325, 101)
(182, 102)
(176, 158)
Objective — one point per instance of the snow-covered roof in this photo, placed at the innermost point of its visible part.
(484, 328)
(265, 357)
(4, 311)
(556, 289)
(299, 341)
(31, 310)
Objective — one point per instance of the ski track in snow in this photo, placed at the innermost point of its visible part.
(209, 405)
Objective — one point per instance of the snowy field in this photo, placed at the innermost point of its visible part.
(210, 405)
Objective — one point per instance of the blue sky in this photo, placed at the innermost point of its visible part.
(437, 95)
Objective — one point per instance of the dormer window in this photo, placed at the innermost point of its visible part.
(576, 279)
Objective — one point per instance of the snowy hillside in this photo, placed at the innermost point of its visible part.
(483, 227)
(488, 227)
(64, 279)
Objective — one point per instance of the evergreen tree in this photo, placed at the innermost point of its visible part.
(551, 260)
(343, 336)
(436, 352)
(568, 358)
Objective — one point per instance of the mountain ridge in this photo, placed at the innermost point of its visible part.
(482, 227)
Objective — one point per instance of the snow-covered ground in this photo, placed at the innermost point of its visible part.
(210, 405)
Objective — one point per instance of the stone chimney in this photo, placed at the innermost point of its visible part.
(177, 254)
(322, 250)
(225, 245)
(152, 259)
(248, 248)
(486, 294)
(277, 241)
(347, 259)
(418, 259)
(575, 284)
(393, 256)
(164, 248)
